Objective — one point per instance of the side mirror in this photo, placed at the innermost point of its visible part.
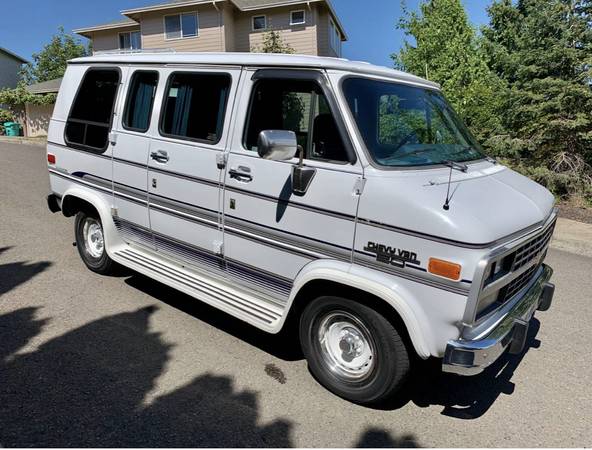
(277, 145)
(301, 178)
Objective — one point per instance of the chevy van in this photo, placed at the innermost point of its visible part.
(345, 199)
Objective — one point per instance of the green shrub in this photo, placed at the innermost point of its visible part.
(5, 116)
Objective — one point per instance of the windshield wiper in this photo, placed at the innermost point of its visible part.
(453, 166)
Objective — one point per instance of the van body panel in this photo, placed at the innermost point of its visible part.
(249, 244)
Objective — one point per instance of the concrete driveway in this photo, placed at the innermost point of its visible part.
(87, 360)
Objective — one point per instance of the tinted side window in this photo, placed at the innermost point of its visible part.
(298, 106)
(92, 113)
(140, 100)
(195, 106)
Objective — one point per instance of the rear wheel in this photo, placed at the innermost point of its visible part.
(353, 350)
(90, 241)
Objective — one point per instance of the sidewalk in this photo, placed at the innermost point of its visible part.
(573, 237)
(24, 140)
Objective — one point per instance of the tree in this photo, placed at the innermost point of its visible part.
(273, 43)
(446, 50)
(51, 62)
(542, 49)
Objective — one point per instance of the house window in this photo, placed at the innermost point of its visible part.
(91, 116)
(140, 99)
(195, 106)
(181, 26)
(130, 41)
(334, 37)
(259, 23)
(297, 18)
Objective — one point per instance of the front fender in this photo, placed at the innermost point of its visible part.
(380, 285)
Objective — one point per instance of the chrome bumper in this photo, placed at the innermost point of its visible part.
(470, 357)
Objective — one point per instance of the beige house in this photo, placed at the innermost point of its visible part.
(311, 27)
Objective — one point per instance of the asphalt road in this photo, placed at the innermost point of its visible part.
(87, 360)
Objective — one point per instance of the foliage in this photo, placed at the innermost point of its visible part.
(524, 86)
(543, 51)
(273, 43)
(446, 50)
(5, 116)
(51, 62)
(20, 96)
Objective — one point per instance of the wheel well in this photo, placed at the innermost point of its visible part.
(73, 205)
(319, 288)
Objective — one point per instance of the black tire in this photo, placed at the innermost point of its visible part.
(102, 264)
(386, 369)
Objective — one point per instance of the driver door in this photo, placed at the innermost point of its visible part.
(270, 233)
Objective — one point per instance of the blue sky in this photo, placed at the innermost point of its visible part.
(370, 24)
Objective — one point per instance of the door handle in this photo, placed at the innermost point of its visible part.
(241, 174)
(160, 156)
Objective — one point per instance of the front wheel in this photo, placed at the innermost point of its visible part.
(353, 350)
(90, 241)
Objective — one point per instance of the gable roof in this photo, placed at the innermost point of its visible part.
(46, 87)
(242, 5)
(13, 55)
(115, 24)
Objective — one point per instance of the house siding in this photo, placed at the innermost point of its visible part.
(324, 46)
(303, 38)
(108, 39)
(210, 36)
(9, 71)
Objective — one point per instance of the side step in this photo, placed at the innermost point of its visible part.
(259, 312)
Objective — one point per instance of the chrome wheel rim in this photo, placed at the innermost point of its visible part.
(92, 234)
(346, 346)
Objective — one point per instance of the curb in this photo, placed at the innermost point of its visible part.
(573, 237)
(23, 140)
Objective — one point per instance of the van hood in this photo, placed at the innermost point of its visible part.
(488, 203)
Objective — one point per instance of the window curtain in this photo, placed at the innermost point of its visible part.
(143, 105)
(182, 109)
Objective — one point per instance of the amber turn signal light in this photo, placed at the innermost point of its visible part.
(444, 269)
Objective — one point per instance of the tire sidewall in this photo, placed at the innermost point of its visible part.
(94, 264)
(385, 375)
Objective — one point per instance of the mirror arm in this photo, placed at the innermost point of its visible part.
(300, 156)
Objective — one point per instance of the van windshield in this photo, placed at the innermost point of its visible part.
(408, 126)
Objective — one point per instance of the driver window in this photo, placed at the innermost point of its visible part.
(297, 106)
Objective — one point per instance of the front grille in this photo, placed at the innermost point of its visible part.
(516, 285)
(532, 249)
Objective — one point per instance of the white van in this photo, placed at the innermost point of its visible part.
(341, 197)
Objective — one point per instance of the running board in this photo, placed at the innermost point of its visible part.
(257, 311)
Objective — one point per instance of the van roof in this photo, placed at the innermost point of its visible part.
(252, 59)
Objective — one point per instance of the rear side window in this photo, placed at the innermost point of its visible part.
(140, 100)
(195, 106)
(92, 113)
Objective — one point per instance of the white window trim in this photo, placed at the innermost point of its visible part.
(332, 28)
(253, 22)
(130, 33)
(303, 11)
(181, 26)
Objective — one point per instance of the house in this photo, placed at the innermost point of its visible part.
(311, 27)
(10, 66)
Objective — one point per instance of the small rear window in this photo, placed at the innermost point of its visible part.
(91, 116)
(140, 100)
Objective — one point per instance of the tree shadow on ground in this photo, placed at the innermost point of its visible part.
(464, 397)
(87, 388)
(17, 273)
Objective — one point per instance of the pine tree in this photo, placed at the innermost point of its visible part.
(446, 50)
(543, 50)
